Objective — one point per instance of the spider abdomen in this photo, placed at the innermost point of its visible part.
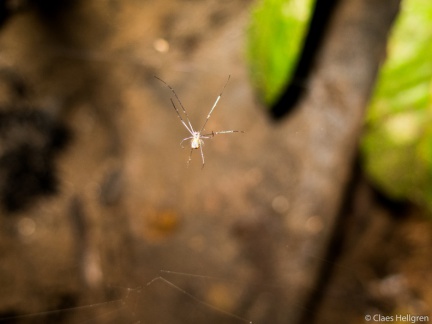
(196, 142)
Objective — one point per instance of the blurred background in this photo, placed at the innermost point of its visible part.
(320, 212)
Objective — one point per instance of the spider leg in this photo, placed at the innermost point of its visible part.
(227, 132)
(181, 119)
(190, 128)
(202, 157)
(213, 134)
(190, 157)
(214, 105)
(185, 139)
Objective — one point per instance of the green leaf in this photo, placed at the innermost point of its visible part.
(275, 37)
(397, 143)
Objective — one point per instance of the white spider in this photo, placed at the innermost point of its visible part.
(196, 138)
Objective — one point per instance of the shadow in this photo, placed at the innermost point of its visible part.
(317, 28)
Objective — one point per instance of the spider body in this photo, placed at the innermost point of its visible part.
(197, 138)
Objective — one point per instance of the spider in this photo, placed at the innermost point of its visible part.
(197, 137)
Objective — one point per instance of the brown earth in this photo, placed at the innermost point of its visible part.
(245, 238)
